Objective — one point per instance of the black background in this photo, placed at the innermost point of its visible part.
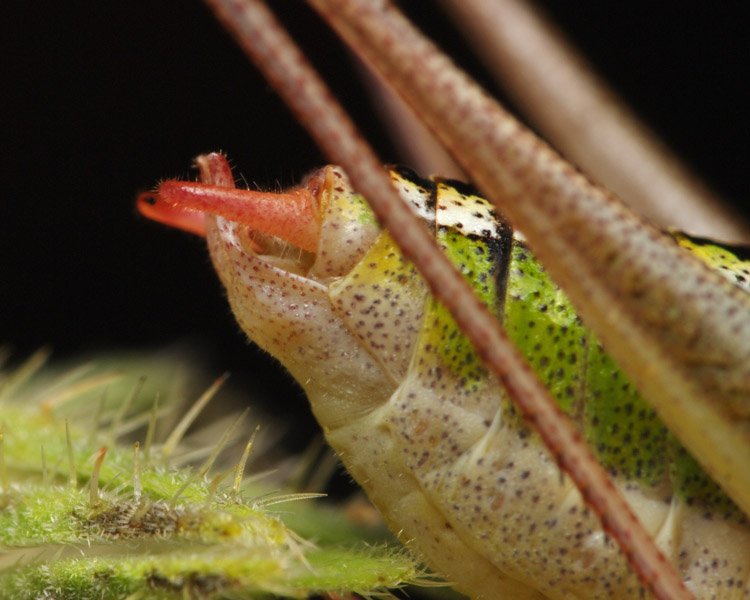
(103, 99)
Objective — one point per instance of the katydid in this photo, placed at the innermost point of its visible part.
(414, 416)
(490, 570)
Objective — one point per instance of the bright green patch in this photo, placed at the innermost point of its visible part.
(540, 320)
(475, 262)
(623, 430)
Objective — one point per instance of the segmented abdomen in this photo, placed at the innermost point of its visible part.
(485, 477)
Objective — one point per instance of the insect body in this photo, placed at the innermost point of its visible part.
(404, 400)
